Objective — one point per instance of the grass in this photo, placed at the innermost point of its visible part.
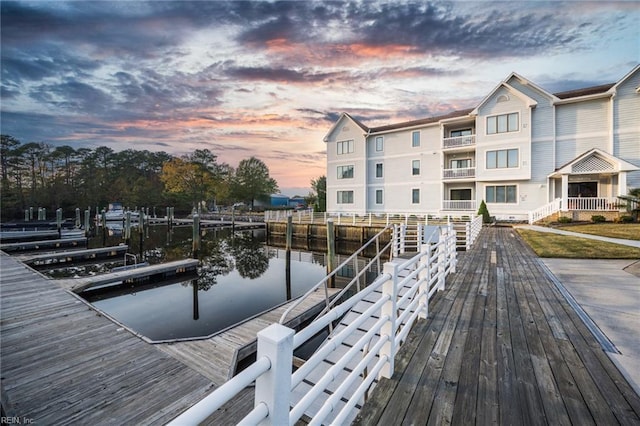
(628, 231)
(563, 246)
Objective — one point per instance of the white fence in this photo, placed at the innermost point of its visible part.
(545, 211)
(593, 203)
(375, 350)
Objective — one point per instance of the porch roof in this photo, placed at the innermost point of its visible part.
(594, 161)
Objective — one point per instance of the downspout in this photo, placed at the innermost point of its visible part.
(366, 170)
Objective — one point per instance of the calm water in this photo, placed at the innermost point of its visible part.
(239, 278)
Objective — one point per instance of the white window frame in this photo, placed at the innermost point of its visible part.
(341, 169)
(381, 192)
(497, 121)
(415, 191)
(379, 143)
(341, 194)
(348, 144)
(497, 166)
(381, 170)
(415, 142)
(488, 201)
(413, 168)
(452, 160)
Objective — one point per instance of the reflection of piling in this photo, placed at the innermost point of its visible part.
(196, 307)
(196, 235)
(59, 222)
(331, 251)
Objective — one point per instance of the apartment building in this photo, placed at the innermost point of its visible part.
(519, 149)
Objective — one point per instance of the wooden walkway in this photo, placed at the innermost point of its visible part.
(502, 346)
(64, 363)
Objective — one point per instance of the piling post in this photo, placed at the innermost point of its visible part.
(127, 228)
(289, 232)
(196, 235)
(104, 227)
(78, 222)
(59, 222)
(26, 215)
(289, 239)
(87, 223)
(141, 221)
(331, 250)
(30, 213)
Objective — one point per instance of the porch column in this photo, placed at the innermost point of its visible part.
(622, 183)
(565, 192)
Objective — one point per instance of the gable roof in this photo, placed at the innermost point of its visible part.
(527, 100)
(421, 122)
(346, 116)
(594, 90)
(600, 158)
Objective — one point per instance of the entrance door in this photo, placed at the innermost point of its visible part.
(583, 189)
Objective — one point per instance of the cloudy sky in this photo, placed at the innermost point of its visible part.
(268, 79)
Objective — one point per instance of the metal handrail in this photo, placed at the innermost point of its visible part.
(326, 279)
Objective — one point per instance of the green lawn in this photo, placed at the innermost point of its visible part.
(629, 231)
(553, 245)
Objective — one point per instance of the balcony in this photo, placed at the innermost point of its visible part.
(459, 142)
(459, 205)
(461, 173)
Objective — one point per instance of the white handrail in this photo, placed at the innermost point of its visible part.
(544, 211)
(427, 271)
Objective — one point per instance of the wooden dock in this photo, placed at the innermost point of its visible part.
(65, 363)
(25, 246)
(144, 273)
(64, 257)
(502, 346)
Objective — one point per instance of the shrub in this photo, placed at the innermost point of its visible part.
(625, 219)
(484, 211)
(564, 219)
(597, 218)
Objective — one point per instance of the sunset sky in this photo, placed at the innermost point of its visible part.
(268, 79)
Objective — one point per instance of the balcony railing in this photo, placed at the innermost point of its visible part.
(462, 173)
(593, 203)
(459, 205)
(459, 141)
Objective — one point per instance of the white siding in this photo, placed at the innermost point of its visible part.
(580, 118)
(541, 161)
(542, 114)
(626, 118)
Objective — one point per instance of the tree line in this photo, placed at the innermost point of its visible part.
(37, 174)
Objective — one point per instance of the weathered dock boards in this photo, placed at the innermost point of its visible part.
(64, 363)
(43, 245)
(166, 269)
(74, 255)
(502, 346)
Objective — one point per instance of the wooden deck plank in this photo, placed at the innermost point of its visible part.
(519, 353)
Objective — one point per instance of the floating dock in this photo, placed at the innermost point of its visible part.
(43, 244)
(142, 274)
(65, 257)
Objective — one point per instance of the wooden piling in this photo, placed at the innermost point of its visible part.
(78, 222)
(59, 222)
(331, 250)
(87, 222)
(196, 235)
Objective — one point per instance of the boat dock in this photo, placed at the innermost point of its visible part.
(65, 362)
(43, 244)
(64, 257)
(141, 274)
(502, 345)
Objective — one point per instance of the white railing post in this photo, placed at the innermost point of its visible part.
(403, 235)
(442, 257)
(274, 387)
(468, 237)
(452, 255)
(389, 288)
(424, 277)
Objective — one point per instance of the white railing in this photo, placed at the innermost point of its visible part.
(381, 249)
(593, 203)
(459, 205)
(472, 230)
(545, 211)
(461, 173)
(272, 372)
(459, 141)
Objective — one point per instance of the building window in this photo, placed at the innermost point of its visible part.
(345, 147)
(502, 159)
(379, 143)
(345, 197)
(502, 194)
(461, 164)
(502, 123)
(379, 196)
(461, 132)
(345, 172)
(415, 167)
(415, 196)
(379, 170)
(415, 139)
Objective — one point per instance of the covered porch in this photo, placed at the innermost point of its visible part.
(591, 183)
